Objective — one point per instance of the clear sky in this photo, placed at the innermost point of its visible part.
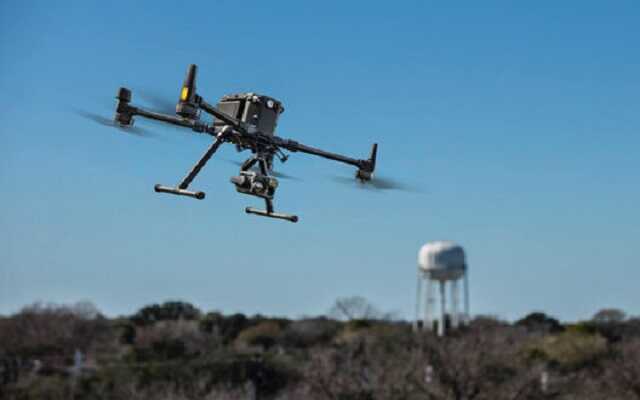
(519, 122)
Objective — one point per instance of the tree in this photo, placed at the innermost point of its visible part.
(169, 310)
(572, 350)
(227, 327)
(308, 332)
(480, 364)
(609, 315)
(485, 363)
(52, 329)
(354, 308)
(85, 309)
(623, 370)
(540, 322)
(264, 334)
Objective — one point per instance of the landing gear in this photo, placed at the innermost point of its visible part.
(271, 214)
(256, 183)
(181, 189)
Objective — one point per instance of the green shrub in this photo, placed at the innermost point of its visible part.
(310, 332)
(540, 322)
(169, 310)
(227, 328)
(265, 334)
(212, 322)
(571, 350)
(126, 332)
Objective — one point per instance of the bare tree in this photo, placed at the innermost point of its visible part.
(480, 364)
(395, 364)
(354, 308)
(622, 371)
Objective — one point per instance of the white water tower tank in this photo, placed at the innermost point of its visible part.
(442, 262)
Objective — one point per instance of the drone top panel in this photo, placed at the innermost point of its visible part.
(254, 109)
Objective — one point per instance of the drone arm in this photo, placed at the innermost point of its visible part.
(367, 165)
(162, 117)
(125, 111)
(187, 123)
(325, 154)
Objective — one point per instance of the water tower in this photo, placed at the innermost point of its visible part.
(441, 263)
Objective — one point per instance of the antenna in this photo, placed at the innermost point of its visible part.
(187, 106)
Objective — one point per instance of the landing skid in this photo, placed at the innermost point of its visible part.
(263, 213)
(270, 213)
(181, 189)
(179, 192)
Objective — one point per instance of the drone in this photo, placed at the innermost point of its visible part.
(246, 120)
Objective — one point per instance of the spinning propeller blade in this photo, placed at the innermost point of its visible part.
(134, 130)
(376, 183)
(158, 102)
(282, 175)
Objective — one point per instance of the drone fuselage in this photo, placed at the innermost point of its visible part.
(247, 120)
(255, 110)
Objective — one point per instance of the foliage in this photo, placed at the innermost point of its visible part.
(179, 353)
(169, 310)
(572, 349)
(540, 322)
(613, 331)
(609, 315)
(52, 330)
(126, 331)
(310, 332)
(227, 328)
(265, 335)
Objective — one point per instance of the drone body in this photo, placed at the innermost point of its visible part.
(248, 121)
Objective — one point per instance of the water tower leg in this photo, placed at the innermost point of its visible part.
(455, 313)
(418, 301)
(467, 315)
(428, 306)
(443, 308)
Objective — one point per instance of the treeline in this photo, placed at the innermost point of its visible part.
(173, 351)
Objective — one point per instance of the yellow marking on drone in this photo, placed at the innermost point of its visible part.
(185, 94)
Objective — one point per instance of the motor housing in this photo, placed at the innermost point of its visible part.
(123, 116)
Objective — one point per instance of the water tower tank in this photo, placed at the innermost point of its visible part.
(442, 260)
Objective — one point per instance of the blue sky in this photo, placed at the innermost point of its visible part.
(518, 122)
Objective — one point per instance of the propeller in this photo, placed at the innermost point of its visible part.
(366, 179)
(134, 130)
(376, 183)
(282, 175)
(157, 101)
